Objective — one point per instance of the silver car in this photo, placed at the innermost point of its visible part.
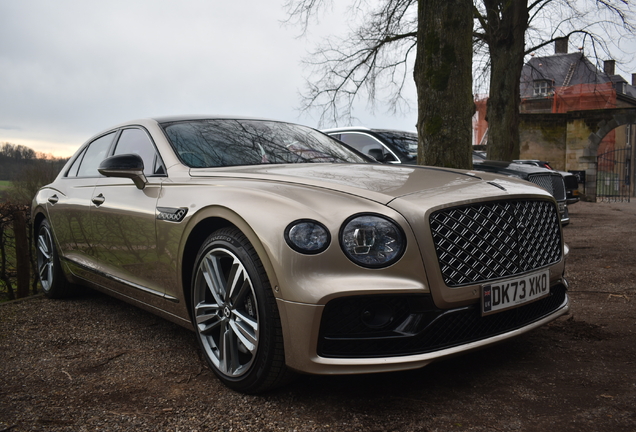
(285, 250)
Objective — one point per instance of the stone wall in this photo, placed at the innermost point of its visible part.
(570, 141)
(543, 137)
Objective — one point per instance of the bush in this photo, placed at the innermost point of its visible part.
(12, 216)
(35, 175)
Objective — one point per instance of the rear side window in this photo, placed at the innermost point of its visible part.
(94, 154)
(72, 172)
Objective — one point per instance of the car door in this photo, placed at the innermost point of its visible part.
(69, 206)
(123, 220)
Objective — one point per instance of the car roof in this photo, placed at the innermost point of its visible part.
(363, 129)
(176, 118)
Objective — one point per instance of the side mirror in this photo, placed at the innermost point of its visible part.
(127, 166)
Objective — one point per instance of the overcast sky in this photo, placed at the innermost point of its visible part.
(71, 68)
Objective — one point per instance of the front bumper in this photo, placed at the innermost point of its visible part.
(340, 339)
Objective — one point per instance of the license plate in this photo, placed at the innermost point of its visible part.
(510, 293)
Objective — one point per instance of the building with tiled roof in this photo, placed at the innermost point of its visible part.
(562, 98)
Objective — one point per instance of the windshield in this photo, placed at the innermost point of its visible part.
(406, 142)
(217, 143)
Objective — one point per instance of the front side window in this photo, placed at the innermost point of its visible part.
(405, 141)
(136, 141)
(94, 155)
(218, 143)
(366, 144)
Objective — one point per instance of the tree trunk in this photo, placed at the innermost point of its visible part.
(443, 78)
(507, 24)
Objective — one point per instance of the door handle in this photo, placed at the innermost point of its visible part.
(53, 199)
(98, 200)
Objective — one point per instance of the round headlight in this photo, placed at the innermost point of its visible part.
(372, 240)
(307, 236)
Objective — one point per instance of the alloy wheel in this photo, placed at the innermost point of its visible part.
(226, 312)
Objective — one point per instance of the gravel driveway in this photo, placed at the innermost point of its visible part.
(93, 363)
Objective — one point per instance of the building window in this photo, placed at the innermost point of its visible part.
(542, 88)
(621, 87)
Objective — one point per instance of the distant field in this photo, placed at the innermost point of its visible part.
(4, 186)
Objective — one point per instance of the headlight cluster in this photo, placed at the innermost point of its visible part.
(369, 240)
(372, 240)
(307, 236)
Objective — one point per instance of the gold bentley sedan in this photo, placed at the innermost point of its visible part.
(287, 251)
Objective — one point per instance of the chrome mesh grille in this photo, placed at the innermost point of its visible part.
(552, 182)
(491, 240)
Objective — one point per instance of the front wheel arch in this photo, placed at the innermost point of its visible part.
(235, 315)
(200, 227)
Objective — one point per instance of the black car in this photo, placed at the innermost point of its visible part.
(571, 182)
(400, 147)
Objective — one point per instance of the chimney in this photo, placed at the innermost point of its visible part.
(609, 67)
(561, 45)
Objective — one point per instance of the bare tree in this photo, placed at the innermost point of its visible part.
(511, 29)
(380, 54)
(503, 25)
(374, 61)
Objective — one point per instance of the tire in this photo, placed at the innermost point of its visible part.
(238, 328)
(52, 278)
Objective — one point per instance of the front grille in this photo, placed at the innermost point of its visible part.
(487, 241)
(552, 182)
(423, 329)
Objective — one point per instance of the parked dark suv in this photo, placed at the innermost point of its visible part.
(571, 182)
(400, 147)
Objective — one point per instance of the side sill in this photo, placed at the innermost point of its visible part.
(120, 280)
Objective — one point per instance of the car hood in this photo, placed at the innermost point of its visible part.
(377, 182)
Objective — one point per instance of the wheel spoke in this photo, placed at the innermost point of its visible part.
(208, 317)
(234, 278)
(44, 270)
(237, 294)
(229, 352)
(245, 330)
(43, 247)
(214, 278)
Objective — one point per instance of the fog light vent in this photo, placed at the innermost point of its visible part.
(377, 315)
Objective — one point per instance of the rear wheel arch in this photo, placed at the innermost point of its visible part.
(53, 280)
(38, 217)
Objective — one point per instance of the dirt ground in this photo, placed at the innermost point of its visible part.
(96, 364)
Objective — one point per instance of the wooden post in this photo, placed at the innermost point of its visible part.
(22, 253)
